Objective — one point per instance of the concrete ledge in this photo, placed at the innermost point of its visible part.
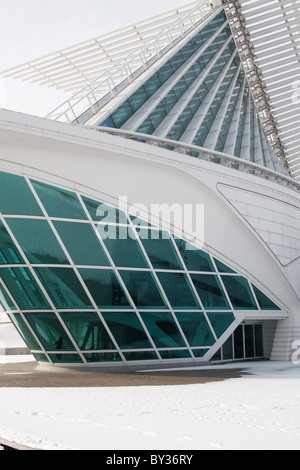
(14, 352)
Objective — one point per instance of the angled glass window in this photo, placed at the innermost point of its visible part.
(103, 213)
(50, 332)
(222, 268)
(199, 352)
(123, 247)
(239, 292)
(103, 357)
(40, 357)
(220, 321)
(143, 289)
(65, 358)
(264, 302)
(210, 291)
(138, 222)
(59, 202)
(140, 356)
(87, 330)
(163, 330)
(25, 332)
(16, 197)
(82, 243)
(178, 290)
(37, 241)
(5, 299)
(194, 259)
(24, 288)
(160, 249)
(105, 288)
(64, 288)
(175, 354)
(195, 328)
(127, 330)
(9, 253)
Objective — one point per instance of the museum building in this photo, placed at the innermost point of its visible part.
(154, 217)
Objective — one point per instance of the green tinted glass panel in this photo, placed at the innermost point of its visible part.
(220, 322)
(104, 288)
(82, 243)
(210, 291)
(87, 330)
(66, 358)
(127, 330)
(40, 357)
(143, 289)
(194, 259)
(38, 241)
(239, 292)
(264, 302)
(64, 288)
(102, 357)
(5, 300)
(140, 356)
(25, 331)
(50, 332)
(24, 288)
(199, 352)
(160, 249)
(195, 328)
(16, 197)
(9, 253)
(163, 329)
(59, 202)
(181, 354)
(178, 290)
(123, 247)
(104, 213)
(139, 222)
(222, 268)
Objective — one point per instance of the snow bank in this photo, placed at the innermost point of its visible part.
(258, 411)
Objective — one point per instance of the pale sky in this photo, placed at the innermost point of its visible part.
(33, 28)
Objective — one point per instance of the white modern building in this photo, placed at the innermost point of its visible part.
(154, 217)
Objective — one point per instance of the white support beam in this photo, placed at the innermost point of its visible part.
(271, 31)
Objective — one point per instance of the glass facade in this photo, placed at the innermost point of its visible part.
(84, 283)
(200, 96)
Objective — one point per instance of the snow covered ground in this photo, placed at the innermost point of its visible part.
(258, 411)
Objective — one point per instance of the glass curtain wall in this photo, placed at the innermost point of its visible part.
(85, 282)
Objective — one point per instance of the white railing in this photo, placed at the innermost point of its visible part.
(126, 68)
(205, 154)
